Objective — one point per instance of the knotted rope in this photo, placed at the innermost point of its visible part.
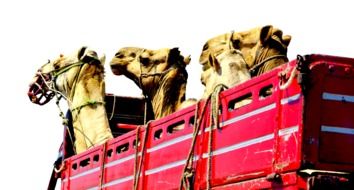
(188, 171)
(214, 123)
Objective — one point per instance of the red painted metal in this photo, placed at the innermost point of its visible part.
(269, 143)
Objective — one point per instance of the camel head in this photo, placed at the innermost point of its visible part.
(147, 67)
(226, 67)
(59, 75)
(161, 74)
(79, 78)
(263, 48)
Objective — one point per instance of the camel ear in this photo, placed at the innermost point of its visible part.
(174, 55)
(286, 40)
(103, 59)
(214, 63)
(266, 33)
(187, 60)
(236, 40)
(86, 55)
(81, 52)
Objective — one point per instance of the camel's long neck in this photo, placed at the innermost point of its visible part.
(168, 94)
(90, 121)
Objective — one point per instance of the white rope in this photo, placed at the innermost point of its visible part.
(291, 78)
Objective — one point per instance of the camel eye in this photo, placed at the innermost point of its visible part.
(144, 61)
(56, 66)
(132, 55)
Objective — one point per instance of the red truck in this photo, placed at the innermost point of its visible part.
(294, 130)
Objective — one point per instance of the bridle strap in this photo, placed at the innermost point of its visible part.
(258, 65)
(147, 75)
(88, 103)
(62, 70)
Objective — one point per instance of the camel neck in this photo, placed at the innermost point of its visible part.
(90, 121)
(168, 94)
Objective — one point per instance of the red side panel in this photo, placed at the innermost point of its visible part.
(170, 140)
(329, 132)
(244, 146)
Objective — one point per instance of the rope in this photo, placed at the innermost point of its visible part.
(215, 104)
(113, 107)
(62, 166)
(145, 108)
(214, 120)
(103, 165)
(136, 156)
(85, 136)
(52, 87)
(188, 171)
(62, 70)
(61, 113)
(137, 168)
(78, 109)
(71, 139)
(291, 78)
(88, 103)
(256, 66)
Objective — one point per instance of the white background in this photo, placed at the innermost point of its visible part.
(32, 31)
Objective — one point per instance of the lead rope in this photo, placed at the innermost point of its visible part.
(289, 81)
(214, 120)
(59, 95)
(113, 108)
(137, 168)
(145, 108)
(65, 120)
(103, 165)
(188, 170)
(136, 156)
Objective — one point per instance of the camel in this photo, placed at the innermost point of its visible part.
(227, 68)
(160, 74)
(79, 78)
(263, 48)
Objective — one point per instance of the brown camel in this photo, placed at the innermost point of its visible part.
(263, 48)
(79, 78)
(161, 74)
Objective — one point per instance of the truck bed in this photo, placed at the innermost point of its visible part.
(296, 131)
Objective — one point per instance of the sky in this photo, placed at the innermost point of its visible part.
(31, 32)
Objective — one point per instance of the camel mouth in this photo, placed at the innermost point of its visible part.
(116, 70)
(116, 66)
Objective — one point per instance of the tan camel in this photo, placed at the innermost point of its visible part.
(79, 78)
(263, 48)
(161, 74)
(226, 68)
